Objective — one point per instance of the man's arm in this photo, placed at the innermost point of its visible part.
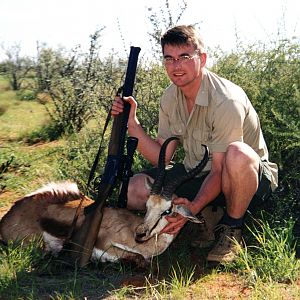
(212, 185)
(209, 190)
(147, 146)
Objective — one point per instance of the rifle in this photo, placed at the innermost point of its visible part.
(126, 172)
(82, 242)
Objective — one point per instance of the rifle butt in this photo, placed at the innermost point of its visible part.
(82, 243)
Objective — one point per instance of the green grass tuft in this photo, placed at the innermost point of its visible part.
(272, 258)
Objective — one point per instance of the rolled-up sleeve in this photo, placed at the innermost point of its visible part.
(164, 125)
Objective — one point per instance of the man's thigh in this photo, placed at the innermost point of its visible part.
(190, 188)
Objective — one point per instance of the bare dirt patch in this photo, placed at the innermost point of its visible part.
(222, 286)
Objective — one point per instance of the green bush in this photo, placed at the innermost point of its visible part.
(79, 156)
(48, 132)
(270, 75)
(26, 94)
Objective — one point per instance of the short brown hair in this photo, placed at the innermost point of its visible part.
(182, 35)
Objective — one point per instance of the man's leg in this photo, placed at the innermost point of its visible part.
(239, 183)
(138, 192)
(239, 178)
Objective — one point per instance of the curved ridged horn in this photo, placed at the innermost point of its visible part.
(159, 179)
(172, 185)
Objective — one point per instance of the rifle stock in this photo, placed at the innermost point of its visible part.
(82, 242)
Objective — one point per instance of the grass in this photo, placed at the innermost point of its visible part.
(26, 274)
(272, 256)
(20, 117)
(25, 164)
(30, 166)
(266, 270)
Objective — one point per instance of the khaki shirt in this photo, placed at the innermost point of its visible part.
(223, 114)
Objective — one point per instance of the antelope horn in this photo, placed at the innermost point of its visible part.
(158, 182)
(172, 185)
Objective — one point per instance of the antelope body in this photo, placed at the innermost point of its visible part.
(49, 212)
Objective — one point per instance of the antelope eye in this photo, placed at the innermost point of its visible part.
(166, 212)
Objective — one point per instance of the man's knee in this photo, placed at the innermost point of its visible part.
(240, 155)
(138, 192)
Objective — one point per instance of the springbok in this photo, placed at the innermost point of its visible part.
(49, 212)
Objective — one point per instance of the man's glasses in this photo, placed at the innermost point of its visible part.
(181, 59)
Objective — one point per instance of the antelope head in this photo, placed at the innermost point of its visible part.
(159, 203)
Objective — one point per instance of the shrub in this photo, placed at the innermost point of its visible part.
(26, 94)
(75, 85)
(48, 132)
(270, 75)
(79, 156)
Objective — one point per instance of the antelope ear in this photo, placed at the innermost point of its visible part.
(182, 210)
(148, 183)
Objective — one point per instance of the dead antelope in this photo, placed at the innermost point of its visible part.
(49, 211)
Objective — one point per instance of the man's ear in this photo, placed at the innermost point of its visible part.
(182, 210)
(203, 58)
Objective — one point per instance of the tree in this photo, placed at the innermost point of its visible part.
(17, 67)
(161, 20)
(73, 84)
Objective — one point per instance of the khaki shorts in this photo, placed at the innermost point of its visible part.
(190, 188)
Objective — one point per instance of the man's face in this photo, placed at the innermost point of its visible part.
(183, 64)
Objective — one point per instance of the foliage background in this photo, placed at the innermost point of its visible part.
(77, 89)
(67, 95)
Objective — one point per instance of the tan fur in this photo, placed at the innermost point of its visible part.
(156, 200)
(52, 208)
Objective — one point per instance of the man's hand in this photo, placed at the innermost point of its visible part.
(118, 106)
(177, 221)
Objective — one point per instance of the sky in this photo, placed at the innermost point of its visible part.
(69, 23)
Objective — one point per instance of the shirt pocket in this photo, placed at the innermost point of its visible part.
(200, 137)
(177, 129)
